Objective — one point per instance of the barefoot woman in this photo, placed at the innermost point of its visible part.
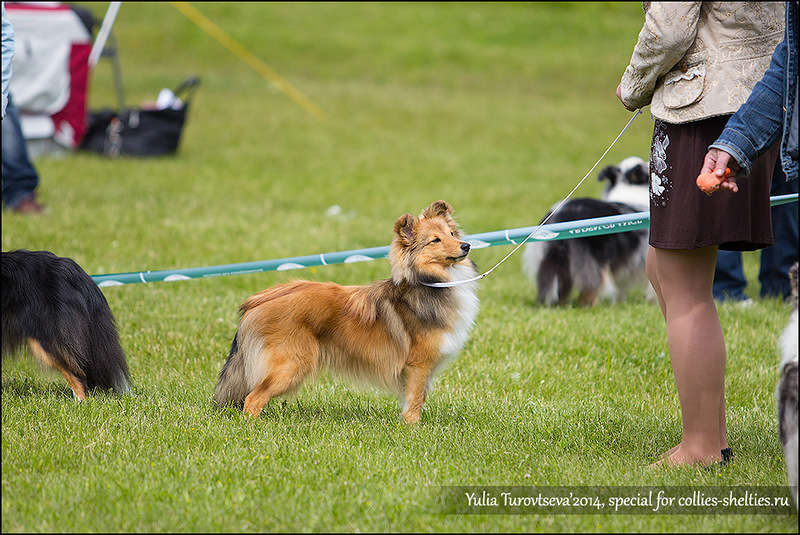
(695, 63)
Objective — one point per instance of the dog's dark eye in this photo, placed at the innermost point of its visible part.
(453, 234)
(435, 240)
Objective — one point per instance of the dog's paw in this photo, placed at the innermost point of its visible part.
(411, 418)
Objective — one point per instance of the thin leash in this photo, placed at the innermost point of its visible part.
(538, 228)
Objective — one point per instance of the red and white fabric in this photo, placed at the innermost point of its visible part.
(50, 76)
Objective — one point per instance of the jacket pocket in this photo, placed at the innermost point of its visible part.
(684, 85)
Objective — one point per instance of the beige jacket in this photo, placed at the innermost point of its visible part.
(695, 60)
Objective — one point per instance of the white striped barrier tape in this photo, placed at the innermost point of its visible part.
(553, 231)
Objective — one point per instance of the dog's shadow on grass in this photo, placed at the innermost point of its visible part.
(295, 411)
(25, 387)
(334, 412)
(570, 304)
(308, 412)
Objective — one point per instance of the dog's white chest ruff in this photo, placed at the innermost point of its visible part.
(466, 309)
(788, 341)
(635, 195)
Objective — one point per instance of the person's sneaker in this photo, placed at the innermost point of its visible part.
(28, 205)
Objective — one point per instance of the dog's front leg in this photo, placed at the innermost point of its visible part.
(416, 383)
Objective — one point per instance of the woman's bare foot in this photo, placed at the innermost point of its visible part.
(680, 455)
(673, 449)
(669, 452)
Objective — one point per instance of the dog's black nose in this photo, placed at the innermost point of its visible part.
(465, 247)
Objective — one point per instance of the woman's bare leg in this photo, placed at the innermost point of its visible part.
(652, 275)
(683, 280)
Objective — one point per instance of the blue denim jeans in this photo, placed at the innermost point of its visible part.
(729, 281)
(19, 176)
(770, 112)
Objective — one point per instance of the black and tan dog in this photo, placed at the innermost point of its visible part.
(51, 304)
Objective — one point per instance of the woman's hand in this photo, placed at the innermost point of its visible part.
(716, 161)
(619, 96)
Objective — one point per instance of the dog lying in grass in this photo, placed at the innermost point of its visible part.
(395, 333)
(53, 306)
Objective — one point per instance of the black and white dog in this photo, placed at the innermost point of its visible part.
(597, 266)
(786, 393)
(628, 182)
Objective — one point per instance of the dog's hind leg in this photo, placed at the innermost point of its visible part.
(588, 297)
(554, 280)
(286, 369)
(609, 290)
(77, 384)
(280, 379)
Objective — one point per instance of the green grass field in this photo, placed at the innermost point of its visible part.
(497, 108)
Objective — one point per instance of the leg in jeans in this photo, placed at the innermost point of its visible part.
(697, 350)
(19, 177)
(777, 259)
(729, 281)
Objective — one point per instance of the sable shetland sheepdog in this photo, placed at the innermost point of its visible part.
(786, 392)
(598, 266)
(51, 304)
(395, 333)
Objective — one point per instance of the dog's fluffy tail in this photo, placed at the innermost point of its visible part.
(230, 385)
(101, 360)
(105, 365)
(243, 370)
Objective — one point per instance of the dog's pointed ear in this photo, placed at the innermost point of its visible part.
(438, 209)
(609, 173)
(404, 228)
(639, 174)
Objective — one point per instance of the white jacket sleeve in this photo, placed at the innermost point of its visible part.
(669, 30)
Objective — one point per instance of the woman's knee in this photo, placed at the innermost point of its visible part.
(686, 275)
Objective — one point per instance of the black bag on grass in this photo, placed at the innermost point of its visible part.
(139, 132)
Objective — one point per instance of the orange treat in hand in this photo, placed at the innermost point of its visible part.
(709, 182)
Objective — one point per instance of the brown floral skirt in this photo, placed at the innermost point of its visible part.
(682, 216)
